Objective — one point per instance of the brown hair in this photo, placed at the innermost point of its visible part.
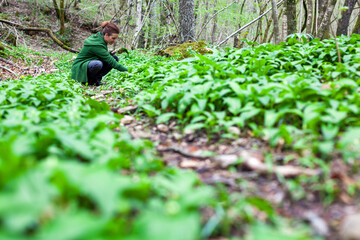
(109, 28)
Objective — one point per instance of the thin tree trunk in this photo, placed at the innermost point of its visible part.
(154, 24)
(187, 20)
(213, 31)
(284, 28)
(138, 23)
(310, 16)
(301, 15)
(259, 31)
(291, 16)
(345, 18)
(237, 36)
(276, 22)
(62, 17)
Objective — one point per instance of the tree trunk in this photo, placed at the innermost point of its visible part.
(291, 16)
(357, 26)
(154, 18)
(325, 23)
(56, 7)
(284, 28)
(276, 22)
(62, 17)
(213, 30)
(310, 16)
(137, 34)
(345, 18)
(237, 41)
(187, 20)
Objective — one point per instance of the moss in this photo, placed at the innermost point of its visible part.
(11, 39)
(185, 50)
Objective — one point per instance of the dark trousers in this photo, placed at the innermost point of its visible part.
(96, 69)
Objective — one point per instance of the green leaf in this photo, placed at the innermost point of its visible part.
(165, 117)
(234, 105)
(329, 131)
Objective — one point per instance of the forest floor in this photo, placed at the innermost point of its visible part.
(189, 150)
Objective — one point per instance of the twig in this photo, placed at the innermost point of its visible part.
(5, 68)
(336, 43)
(181, 151)
(253, 21)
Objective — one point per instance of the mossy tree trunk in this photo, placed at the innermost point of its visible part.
(60, 13)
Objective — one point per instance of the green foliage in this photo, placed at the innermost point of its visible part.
(296, 92)
(61, 165)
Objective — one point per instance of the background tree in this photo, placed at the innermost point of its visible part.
(187, 20)
(276, 22)
(326, 12)
(345, 17)
(309, 7)
(60, 12)
(290, 6)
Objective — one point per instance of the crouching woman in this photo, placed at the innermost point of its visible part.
(94, 60)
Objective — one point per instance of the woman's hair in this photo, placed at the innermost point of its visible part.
(109, 28)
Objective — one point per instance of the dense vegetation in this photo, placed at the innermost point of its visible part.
(68, 172)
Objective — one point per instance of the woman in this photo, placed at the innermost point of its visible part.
(94, 61)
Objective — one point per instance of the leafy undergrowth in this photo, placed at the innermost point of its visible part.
(300, 97)
(295, 96)
(66, 173)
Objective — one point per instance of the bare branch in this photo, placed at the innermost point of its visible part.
(212, 17)
(253, 21)
(5, 68)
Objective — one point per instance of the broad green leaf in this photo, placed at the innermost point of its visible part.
(234, 105)
(165, 117)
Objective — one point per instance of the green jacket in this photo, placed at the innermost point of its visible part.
(95, 48)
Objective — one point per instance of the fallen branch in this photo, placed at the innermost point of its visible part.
(6, 45)
(181, 151)
(127, 109)
(5, 68)
(252, 161)
(286, 171)
(253, 21)
(38, 29)
(11, 63)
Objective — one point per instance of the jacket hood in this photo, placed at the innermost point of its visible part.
(95, 39)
